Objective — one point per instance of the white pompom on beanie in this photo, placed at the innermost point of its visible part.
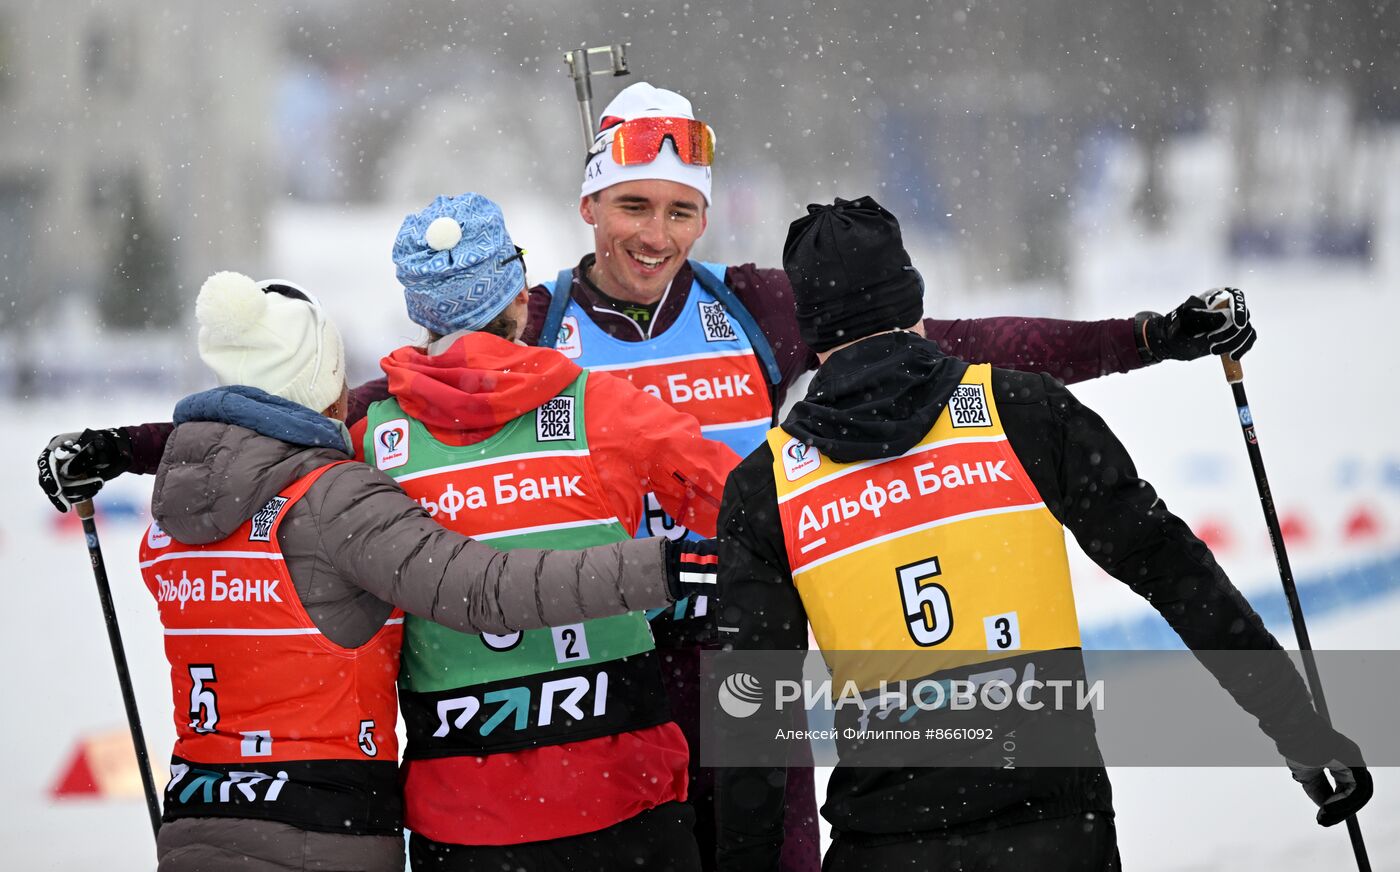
(285, 346)
(638, 101)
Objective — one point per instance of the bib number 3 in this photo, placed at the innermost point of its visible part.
(928, 613)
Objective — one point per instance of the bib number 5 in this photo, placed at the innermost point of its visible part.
(204, 703)
(927, 611)
(366, 739)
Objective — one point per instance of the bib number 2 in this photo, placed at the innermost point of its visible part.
(928, 613)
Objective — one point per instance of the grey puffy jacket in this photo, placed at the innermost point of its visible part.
(354, 544)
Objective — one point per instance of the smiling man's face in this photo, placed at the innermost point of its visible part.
(642, 232)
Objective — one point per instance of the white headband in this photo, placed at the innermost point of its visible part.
(637, 101)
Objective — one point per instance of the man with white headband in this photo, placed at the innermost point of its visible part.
(722, 343)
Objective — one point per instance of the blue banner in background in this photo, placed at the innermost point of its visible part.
(1321, 594)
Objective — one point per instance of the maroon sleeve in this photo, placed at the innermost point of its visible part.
(534, 320)
(148, 440)
(147, 446)
(1071, 351)
(362, 396)
(767, 295)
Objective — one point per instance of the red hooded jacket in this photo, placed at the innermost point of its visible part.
(638, 444)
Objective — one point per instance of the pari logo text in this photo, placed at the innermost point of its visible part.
(572, 699)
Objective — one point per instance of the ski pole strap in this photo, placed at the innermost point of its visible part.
(706, 275)
(558, 303)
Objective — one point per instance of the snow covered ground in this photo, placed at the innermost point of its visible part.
(1326, 424)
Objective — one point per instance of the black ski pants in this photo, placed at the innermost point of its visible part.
(1080, 843)
(660, 839)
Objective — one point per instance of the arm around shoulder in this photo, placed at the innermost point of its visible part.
(379, 538)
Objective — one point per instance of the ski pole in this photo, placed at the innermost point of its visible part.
(84, 510)
(1234, 374)
(582, 73)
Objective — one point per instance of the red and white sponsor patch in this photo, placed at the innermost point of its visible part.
(391, 444)
(800, 459)
(570, 342)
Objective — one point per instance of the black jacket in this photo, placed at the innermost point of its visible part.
(878, 398)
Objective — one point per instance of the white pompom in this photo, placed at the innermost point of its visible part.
(443, 233)
(229, 305)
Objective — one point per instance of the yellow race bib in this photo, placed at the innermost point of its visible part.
(946, 548)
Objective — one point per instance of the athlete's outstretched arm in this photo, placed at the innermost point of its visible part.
(379, 538)
(1210, 323)
(1069, 350)
(137, 448)
(642, 444)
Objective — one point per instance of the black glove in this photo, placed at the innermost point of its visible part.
(1352, 788)
(692, 568)
(74, 466)
(1216, 322)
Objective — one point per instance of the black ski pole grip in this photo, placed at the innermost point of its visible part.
(1234, 369)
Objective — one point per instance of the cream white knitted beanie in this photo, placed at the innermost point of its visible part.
(270, 339)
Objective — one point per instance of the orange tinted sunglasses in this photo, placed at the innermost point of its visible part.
(638, 140)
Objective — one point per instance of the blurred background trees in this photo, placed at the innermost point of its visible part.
(146, 142)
